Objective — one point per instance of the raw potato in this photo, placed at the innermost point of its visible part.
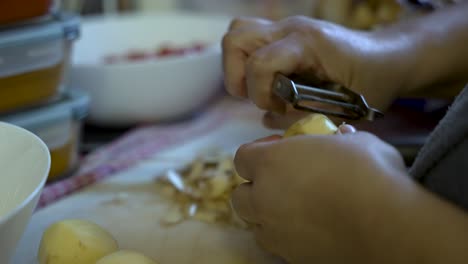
(126, 257)
(314, 124)
(75, 242)
(363, 17)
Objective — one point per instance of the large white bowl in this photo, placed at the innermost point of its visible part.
(148, 91)
(24, 166)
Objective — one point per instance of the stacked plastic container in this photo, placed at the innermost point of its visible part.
(35, 48)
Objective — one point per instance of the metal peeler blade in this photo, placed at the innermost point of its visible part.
(344, 102)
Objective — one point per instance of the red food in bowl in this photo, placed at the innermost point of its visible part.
(162, 52)
(137, 55)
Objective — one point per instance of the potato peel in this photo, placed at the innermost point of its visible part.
(201, 191)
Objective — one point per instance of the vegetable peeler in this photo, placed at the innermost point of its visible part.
(334, 100)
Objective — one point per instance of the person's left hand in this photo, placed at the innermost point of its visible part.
(312, 198)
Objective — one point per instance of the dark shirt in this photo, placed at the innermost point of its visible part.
(442, 164)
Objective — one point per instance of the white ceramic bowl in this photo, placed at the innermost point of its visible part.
(152, 90)
(24, 166)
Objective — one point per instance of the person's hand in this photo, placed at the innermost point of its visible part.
(312, 198)
(255, 50)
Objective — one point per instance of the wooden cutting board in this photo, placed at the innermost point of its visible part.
(130, 208)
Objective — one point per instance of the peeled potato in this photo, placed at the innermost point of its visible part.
(75, 242)
(126, 257)
(314, 124)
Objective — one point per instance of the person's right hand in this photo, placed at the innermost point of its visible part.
(254, 50)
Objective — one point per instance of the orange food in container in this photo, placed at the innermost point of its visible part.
(58, 124)
(12, 11)
(34, 58)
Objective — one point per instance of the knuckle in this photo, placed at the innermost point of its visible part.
(303, 26)
(256, 69)
(241, 22)
(255, 61)
(295, 23)
(258, 64)
(228, 40)
(237, 23)
(296, 38)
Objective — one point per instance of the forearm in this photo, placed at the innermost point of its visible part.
(413, 225)
(435, 48)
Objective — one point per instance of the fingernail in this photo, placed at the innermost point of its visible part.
(346, 129)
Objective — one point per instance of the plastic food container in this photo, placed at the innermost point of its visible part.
(34, 58)
(58, 125)
(12, 11)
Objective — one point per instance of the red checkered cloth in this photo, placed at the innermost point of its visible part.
(140, 144)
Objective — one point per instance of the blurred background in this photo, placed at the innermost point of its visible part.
(83, 73)
(361, 14)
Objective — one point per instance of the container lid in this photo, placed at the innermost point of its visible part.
(60, 25)
(74, 104)
(36, 45)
